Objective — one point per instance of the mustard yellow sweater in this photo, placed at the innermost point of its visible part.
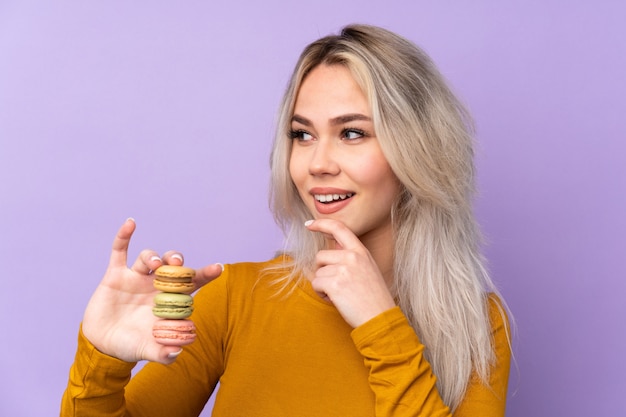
(280, 356)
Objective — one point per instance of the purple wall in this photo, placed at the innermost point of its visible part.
(164, 111)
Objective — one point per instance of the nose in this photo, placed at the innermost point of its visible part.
(323, 159)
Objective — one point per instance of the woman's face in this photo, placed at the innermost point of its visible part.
(336, 161)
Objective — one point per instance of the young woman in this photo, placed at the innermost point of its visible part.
(380, 307)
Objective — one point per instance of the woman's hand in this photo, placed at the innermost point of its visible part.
(348, 275)
(118, 319)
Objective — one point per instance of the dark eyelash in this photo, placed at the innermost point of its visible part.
(355, 130)
(295, 134)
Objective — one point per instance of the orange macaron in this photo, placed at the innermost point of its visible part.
(173, 278)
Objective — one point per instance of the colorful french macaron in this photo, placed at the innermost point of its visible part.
(174, 279)
(172, 306)
(174, 332)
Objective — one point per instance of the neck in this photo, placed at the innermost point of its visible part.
(380, 245)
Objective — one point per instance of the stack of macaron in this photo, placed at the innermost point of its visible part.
(173, 305)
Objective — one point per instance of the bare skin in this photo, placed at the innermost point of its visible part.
(118, 319)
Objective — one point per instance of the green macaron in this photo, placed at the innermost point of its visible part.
(172, 306)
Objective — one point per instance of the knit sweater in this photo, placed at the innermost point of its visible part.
(281, 354)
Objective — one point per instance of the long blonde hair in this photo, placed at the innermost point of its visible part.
(427, 137)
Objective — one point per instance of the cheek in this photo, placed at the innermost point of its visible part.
(380, 178)
(376, 172)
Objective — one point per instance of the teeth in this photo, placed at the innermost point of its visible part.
(327, 198)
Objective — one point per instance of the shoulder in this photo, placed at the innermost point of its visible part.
(278, 265)
(243, 277)
(499, 317)
(498, 312)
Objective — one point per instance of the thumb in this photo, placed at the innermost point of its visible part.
(163, 354)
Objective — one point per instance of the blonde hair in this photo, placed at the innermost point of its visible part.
(426, 135)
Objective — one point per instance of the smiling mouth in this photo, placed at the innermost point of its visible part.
(331, 198)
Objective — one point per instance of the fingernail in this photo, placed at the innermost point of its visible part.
(174, 354)
(155, 258)
(221, 266)
(130, 219)
(308, 223)
(178, 256)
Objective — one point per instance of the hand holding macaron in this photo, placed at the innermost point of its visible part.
(119, 319)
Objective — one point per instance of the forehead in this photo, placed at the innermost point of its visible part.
(333, 88)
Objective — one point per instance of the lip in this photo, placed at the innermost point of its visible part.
(329, 208)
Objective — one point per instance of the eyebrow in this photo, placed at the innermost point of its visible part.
(335, 121)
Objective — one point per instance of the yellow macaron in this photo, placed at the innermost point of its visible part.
(175, 279)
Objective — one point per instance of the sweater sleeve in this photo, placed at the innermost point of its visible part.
(96, 383)
(403, 381)
(389, 344)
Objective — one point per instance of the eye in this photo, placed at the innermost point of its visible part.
(352, 134)
(300, 135)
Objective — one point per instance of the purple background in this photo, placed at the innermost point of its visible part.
(164, 111)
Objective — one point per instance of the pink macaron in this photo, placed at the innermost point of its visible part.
(174, 332)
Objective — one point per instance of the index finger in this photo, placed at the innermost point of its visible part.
(207, 274)
(338, 230)
(119, 251)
